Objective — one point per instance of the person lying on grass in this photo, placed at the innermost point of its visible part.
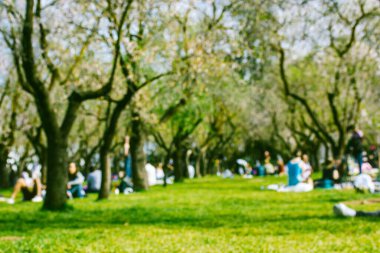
(343, 210)
(76, 179)
(30, 185)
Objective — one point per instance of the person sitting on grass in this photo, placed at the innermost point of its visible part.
(248, 171)
(30, 185)
(125, 186)
(296, 180)
(280, 166)
(295, 170)
(366, 166)
(160, 172)
(342, 210)
(307, 170)
(76, 179)
(94, 180)
(269, 168)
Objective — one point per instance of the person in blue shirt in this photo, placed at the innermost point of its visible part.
(295, 170)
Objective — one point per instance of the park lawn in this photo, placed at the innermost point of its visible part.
(202, 215)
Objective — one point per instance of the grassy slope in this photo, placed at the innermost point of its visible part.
(207, 215)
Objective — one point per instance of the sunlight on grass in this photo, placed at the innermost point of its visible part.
(205, 215)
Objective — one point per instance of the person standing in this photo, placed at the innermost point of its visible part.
(356, 146)
(128, 158)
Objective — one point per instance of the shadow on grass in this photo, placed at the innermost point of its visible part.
(27, 221)
(193, 205)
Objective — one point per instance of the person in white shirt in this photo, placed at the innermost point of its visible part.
(76, 179)
(307, 170)
(151, 174)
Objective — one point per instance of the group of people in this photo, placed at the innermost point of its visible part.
(300, 162)
(267, 168)
(31, 188)
(78, 186)
(299, 171)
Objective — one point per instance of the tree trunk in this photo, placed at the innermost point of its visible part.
(42, 157)
(210, 169)
(56, 175)
(198, 165)
(338, 150)
(314, 158)
(106, 174)
(106, 145)
(43, 169)
(179, 163)
(187, 163)
(165, 165)
(327, 153)
(4, 173)
(203, 163)
(139, 175)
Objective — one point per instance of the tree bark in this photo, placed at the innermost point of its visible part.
(203, 163)
(106, 174)
(314, 158)
(40, 150)
(139, 175)
(327, 153)
(56, 175)
(198, 164)
(179, 163)
(106, 144)
(4, 173)
(43, 162)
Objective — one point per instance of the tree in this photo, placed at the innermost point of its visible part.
(29, 66)
(342, 91)
(8, 103)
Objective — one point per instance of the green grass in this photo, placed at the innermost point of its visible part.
(206, 215)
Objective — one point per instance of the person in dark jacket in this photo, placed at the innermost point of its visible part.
(355, 145)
